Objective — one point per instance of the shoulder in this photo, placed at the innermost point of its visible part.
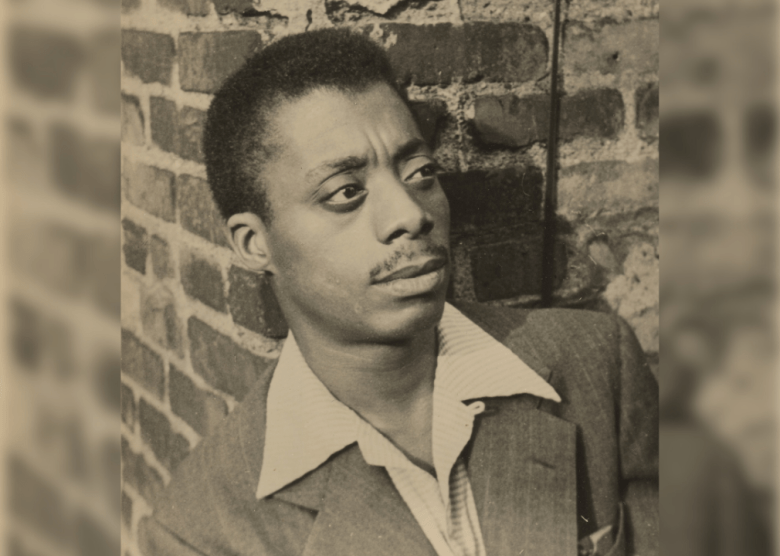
(219, 478)
(573, 344)
(550, 330)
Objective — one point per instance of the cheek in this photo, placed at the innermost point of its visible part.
(439, 208)
(315, 258)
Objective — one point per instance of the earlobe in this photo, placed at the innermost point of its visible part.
(247, 235)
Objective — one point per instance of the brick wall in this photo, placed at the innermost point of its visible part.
(59, 385)
(198, 329)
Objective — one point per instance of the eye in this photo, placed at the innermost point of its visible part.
(424, 174)
(428, 170)
(346, 195)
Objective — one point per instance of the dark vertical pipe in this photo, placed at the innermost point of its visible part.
(551, 191)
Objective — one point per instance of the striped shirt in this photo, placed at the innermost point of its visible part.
(306, 424)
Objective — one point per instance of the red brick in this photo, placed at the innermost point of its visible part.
(430, 116)
(103, 271)
(58, 257)
(254, 305)
(135, 245)
(223, 364)
(511, 269)
(198, 212)
(760, 128)
(493, 198)
(148, 56)
(159, 319)
(515, 122)
(426, 54)
(93, 538)
(164, 123)
(505, 51)
(86, 167)
(169, 447)
(150, 189)
(187, 7)
(592, 113)
(439, 53)
(607, 187)
(202, 280)
(142, 364)
(132, 121)
(161, 257)
(127, 510)
(106, 381)
(130, 5)
(202, 410)
(34, 500)
(45, 63)
(511, 121)
(140, 475)
(27, 342)
(191, 123)
(207, 59)
(104, 72)
(611, 48)
(177, 131)
(128, 406)
(692, 145)
(34, 340)
(646, 102)
(224, 7)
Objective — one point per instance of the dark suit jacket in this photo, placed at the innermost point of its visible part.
(544, 474)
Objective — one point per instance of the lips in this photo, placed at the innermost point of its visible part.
(413, 270)
(414, 280)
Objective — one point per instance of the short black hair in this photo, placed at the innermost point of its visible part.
(235, 141)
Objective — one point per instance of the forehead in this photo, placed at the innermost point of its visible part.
(328, 122)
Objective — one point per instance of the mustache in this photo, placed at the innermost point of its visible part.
(408, 254)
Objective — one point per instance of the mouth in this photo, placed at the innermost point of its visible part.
(415, 279)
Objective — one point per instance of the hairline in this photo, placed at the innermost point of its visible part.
(266, 115)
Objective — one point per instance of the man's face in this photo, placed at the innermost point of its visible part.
(358, 240)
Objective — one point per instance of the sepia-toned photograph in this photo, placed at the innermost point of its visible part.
(382, 277)
(391, 278)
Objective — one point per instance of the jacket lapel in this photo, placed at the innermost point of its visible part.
(523, 475)
(522, 469)
(359, 510)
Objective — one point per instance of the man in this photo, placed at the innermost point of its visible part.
(394, 423)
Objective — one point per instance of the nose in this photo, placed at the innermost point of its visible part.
(399, 212)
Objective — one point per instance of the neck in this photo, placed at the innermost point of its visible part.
(373, 379)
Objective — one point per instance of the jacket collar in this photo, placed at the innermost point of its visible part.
(521, 463)
(306, 425)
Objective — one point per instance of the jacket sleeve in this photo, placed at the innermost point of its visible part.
(154, 539)
(638, 442)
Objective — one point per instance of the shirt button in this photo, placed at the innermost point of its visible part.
(477, 407)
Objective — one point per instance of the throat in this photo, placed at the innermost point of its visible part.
(411, 432)
(391, 387)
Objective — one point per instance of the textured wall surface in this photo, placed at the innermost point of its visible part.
(59, 384)
(198, 329)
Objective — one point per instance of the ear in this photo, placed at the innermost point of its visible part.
(248, 238)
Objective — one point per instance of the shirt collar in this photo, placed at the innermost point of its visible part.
(305, 424)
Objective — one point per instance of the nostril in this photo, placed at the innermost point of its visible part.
(395, 235)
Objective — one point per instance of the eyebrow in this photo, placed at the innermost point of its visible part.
(332, 167)
(411, 147)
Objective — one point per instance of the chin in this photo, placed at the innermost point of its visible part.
(409, 317)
